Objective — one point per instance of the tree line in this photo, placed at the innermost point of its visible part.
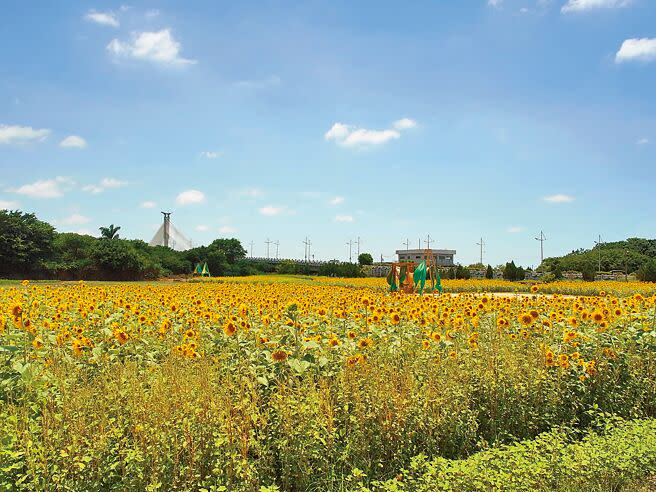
(32, 248)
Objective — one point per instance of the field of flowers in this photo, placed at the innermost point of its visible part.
(300, 384)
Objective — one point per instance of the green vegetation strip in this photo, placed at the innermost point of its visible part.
(615, 457)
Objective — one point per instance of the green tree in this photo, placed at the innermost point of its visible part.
(365, 259)
(118, 260)
(287, 267)
(647, 272)
(25, 242)
(489, 273)
(521, 273)
(110, 232)
(510, 271)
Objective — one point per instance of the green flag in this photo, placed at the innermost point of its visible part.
(419, 276)
(438, 285)
(391, 279)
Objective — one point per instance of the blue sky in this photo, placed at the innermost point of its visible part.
(333, 120)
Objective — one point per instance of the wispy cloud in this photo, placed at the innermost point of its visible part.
(514, 229)
(8, 205)
(148, 204)
(209, 154)
(190, 197)
(273, 210)
(10, 134)
(226, 230)
(585, 5)
(249, 193)
(336, 200)
(202, 228)
(103, 18)
(270, 81)
(157, 46)
(73, 141)
(74, 219)
(559, 198)
(494, 3)
(643, 141)
(637, 49)
(104, 184)
(344, 218)
(48, 188)
(351, 136)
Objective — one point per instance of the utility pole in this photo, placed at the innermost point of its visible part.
(358, 246)
(481, 245)
(251, 243)
(428, 241)
(277, 243)
(599, 243)
(542, 239)
(268, 242)
(407, 244)
(419, 243)
(350, 245)
(307, 243)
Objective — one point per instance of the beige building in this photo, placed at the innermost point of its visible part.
(442, 257)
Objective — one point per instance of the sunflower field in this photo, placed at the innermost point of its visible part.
(260, 385)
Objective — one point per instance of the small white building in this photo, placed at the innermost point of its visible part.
(442, 257)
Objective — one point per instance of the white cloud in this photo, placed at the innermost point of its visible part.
(20, 134)
(271, 210)
(8, 205)
(226, 230)
(336, 200)
(514, 229)
(643, 49)
(350, 135)
(643, 141)
(49, 188)
(208, 154)
(93, 189)
(271, 81)
(75, 219)
(250, 193)
(494, 3)
(405, 124)
(189, 197)
(202, 228)
(583, 5)
(148, 205)
(362, 136)
(73, 141)
(112, 183)
(152, 13)
(157, 46)
(343, 218)
(104, 184)
(338, 131)
(523, 10)
(559, 198)
(102, 18)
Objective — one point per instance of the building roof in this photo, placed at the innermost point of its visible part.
(423, 251)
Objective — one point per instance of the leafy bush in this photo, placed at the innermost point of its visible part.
(606, 460)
